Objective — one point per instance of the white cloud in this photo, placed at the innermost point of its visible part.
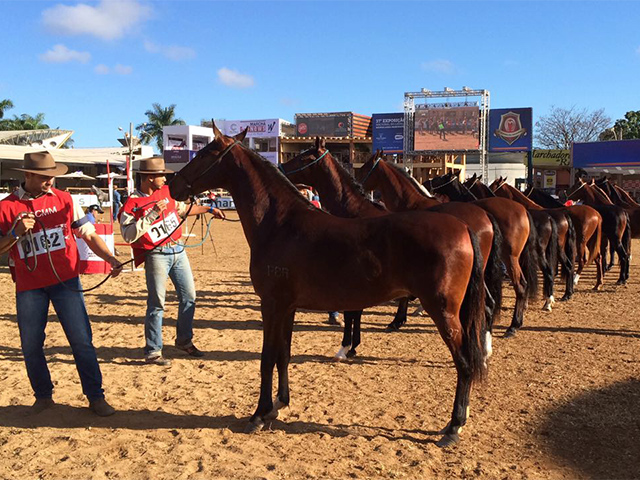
(107, 20)
(101, 69)
(172, 52)
(289, 102)
(123, 69)
(61, 54)
(440, 66)
(235, 79)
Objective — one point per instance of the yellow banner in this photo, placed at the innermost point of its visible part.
(551, 158)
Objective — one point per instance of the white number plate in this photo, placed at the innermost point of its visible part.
(161, 230)
(53, 237)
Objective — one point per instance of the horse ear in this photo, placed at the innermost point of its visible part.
(240, 137)
(475, 175)
(323, 143)
(479, 177)
(317, 143)
(216, 131)
(592, 182)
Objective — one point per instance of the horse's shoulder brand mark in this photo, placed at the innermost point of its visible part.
(277, 272)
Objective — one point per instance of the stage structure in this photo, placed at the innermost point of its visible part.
(437, 136)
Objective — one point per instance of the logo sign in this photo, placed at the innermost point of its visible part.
(388, 132)
(549, 158)
(302, 128)
(256, 128)
(510, 130)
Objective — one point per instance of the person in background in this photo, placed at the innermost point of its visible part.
(117, 199)
(91, 209)
(52, 218)
(149, 222)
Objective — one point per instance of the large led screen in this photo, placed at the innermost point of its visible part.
(454, 128)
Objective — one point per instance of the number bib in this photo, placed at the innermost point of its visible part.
(53, 237)
(161, 230)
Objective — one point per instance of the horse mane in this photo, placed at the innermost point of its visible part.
(599, 192)
(416, 185)
(357, 186)
(541, 193)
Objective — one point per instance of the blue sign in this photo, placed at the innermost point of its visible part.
(606, 154)
(510, 129)
(388, 132)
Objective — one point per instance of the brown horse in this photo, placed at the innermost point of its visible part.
(588, 225)
(519, 248)
(563, 250)
(302, 257)
(615, 223)
(402, 193)
(342, 197)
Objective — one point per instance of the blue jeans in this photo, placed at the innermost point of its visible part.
(169, 261)
(33, 308)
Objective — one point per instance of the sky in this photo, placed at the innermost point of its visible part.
(92, 67)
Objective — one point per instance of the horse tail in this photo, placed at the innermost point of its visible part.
(552, 250)
(493, 273)
(529, 260)
(570, 247)
(473, 319)
(626, 236)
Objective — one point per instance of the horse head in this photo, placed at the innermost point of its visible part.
(299, 168)
(365, 175)
(206, 170)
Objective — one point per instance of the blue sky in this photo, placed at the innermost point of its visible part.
(94, 66)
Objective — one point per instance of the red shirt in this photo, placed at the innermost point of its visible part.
(56, 214)
(160, 229)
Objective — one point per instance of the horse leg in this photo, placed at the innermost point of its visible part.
(624, 264)
(520, 287)
(595, 255)
(582, 260)
(346, 336)
(276, 342)
(357, 317)
(282, 364)
(401, 315)
(547, 282)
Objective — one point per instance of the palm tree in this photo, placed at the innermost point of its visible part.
(5, 104)
(157, 118)
(24, 122)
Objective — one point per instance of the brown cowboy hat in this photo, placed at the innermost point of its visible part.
(42, 163)
(153, 165)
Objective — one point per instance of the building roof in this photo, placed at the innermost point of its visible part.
(79, 156)
(45, 138)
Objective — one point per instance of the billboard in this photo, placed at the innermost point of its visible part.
(257, 128)
(324, 126)
(623, 153)
(447, 128)
(510, 129)
(388, 132)
(551, 158)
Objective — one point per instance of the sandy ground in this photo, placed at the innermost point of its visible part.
(561, 401)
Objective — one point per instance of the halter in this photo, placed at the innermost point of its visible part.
(304, 166)
(375, 164)
(440, 186)
(222, 155)
(581, 185)
(498, 187)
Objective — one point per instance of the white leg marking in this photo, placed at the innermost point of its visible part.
(575, 280)
(342, 353)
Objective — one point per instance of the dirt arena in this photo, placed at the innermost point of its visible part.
(562, 399)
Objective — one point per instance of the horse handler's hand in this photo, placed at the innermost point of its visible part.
(116, 267)
(217, 213)
(26, 223)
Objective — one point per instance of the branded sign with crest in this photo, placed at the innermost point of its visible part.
(510, 130)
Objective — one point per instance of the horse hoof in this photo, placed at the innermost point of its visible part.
(254, 427)
(510, 332)
(392, 327)
(351, 353)
(342, 353)
(273, 414)
(445, 429)
(447, 440)
(565, 298)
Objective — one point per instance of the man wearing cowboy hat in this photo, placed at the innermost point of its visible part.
(37, 225)
(149, 220)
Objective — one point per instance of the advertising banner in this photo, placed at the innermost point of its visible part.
(257, 128)
(89, 261)
(623, 153)
(324, 126)
(388, 132)
(551, 158)
(178, 156)
(446, 129)
(510, 129)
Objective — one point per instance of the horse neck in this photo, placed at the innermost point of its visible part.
(456, 192)
(600, 195)
(263, 197)
(405, 196)
(480, 190)
(547, 201)
(339, 193)
(624, 195)
(518, 196)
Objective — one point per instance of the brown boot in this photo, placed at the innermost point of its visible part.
(101, 408)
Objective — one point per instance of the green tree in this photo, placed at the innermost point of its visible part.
(24, 122)
(157, 118)
(627, 128)
(5, 104)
